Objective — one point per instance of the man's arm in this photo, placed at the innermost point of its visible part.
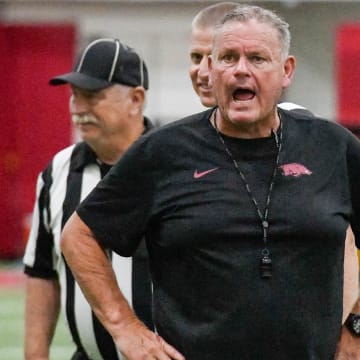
(42, 306)
(351, 274)
(349, 345)
(93, 272)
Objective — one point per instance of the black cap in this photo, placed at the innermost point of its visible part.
(105, 62)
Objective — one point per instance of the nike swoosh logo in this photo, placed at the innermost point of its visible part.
(198, 175)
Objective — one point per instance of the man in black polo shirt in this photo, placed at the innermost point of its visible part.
(202, 30)
(245, 208)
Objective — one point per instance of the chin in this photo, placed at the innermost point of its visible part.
(242, 116)
(88, 136)
(207, 101)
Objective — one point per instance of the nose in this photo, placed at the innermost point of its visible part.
(242, 67)
(203, 72)
(77, 105)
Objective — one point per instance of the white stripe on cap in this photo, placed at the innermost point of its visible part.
(141, 70)
(116, 56)
(85, 53)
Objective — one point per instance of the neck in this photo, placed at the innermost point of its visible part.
(110, 149)
(108, 154)
(245, 129)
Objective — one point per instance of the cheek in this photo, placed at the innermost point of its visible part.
(212, 78)
(270, 80)
(218, 81)
(193, 71)
(101, 112)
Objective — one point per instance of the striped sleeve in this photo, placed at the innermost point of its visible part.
(40, 258)
(39, 249)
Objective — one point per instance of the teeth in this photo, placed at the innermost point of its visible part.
(84, 119)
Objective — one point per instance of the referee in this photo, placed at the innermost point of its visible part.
(108, 86)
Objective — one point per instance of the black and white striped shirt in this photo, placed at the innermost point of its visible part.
(69, 177)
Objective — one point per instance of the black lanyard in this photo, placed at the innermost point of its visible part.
(265, 260)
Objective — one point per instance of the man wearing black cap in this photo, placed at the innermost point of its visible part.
(108, 85)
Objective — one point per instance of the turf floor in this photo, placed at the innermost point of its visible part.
(12, 318)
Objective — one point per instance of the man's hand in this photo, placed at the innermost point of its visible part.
(348, 347)
(93, 271)
(136, 342)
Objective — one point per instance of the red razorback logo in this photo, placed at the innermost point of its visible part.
(295, 170)
(198, 175)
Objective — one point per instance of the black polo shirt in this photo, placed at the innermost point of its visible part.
(179, 186)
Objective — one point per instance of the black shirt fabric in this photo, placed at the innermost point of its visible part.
(180, 188)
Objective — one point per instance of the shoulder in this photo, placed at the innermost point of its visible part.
(186, 124)
(64, 155)
(299, 113)
(290, 106)
(316, 128)
(60, 162)
(187, 121)
(168, 142)
(177, 134)
(296, 108)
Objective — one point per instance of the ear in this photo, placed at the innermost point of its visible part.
(210, 67)
(289, 69)
(137, 99)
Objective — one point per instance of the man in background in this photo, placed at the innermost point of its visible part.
(108, 90)
(202, 28)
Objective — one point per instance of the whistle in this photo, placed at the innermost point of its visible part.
(266, 267)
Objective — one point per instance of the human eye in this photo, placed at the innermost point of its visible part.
(90, 94)
(73, 92)
(257, 59)
(195, 58)
(86, 94)
(227, 58)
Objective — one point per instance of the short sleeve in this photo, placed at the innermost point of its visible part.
(118, 209)
(39, 259)
(353, 159)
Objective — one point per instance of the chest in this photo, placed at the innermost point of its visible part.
(204, 199)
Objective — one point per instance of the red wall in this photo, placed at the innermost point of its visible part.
(34, 118)
(348, 75)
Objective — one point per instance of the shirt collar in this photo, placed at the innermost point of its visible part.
(83, 155)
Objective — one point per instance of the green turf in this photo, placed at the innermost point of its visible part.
(12, 328)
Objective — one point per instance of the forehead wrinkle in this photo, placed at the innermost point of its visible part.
(236, 35)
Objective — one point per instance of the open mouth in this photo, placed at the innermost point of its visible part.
(243, 94)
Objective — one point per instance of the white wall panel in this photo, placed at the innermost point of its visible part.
(160, 31)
